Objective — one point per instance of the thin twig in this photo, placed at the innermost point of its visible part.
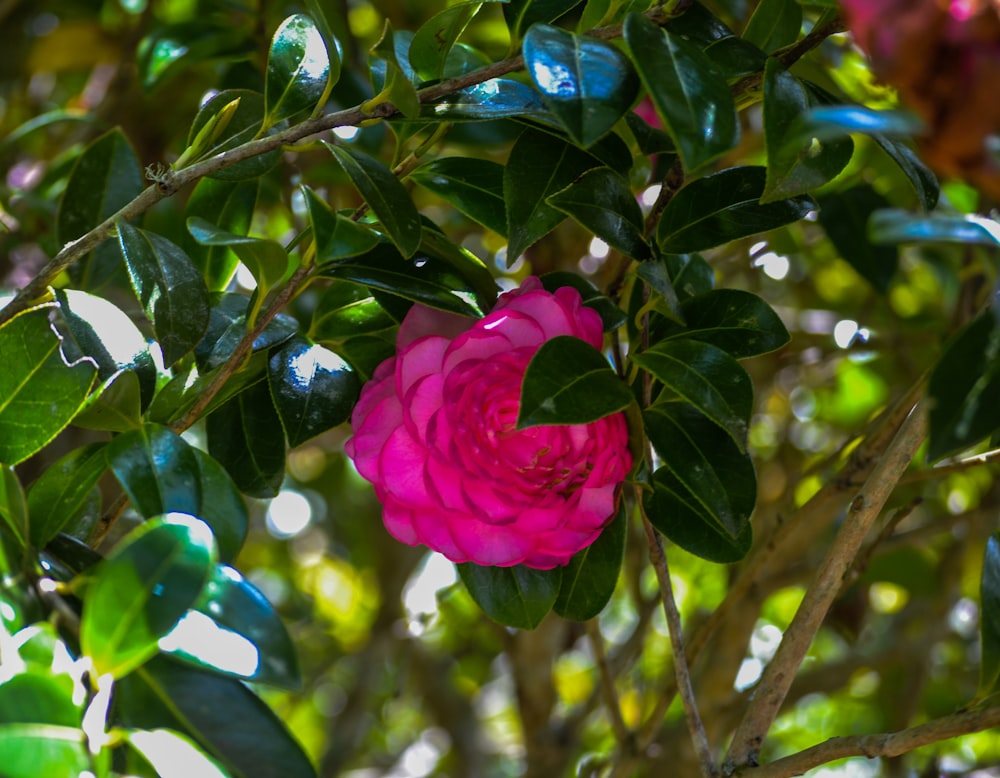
(864, 510)
(622, 734)
(958, 466)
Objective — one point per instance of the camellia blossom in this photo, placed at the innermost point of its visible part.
(435, 432)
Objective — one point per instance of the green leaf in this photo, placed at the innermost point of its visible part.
(175, 399)
(114, 406)
(520, 15)
(221, 506)
(736, 321)
(244, 125)
(140, 591)
(346, 310)
(612, 316)
(603, 203)
(58, 496)
(989, 622)
(298, 69)
(690, 274)
(367, 352)
(587, 83)
(201, 704)
(233, 629)
(30, 750)
(894, 225)
(169, 287)
(920, 177)
(775, 23)
(105, 178)
(689, 92)
(707, 378)
(229, 205)
(656, 275)
(13, 506)
(796, 163)
(589, 580)
(157, 469)
(963, 388)
(227, 326)
(845, 216)
(434, 39)
(722, 207)
(497, 98)
(472, 186)
(313, 389)
(735, 57)
(40, 390)
(172, 755)
(385, 195)
(36, 698)
(828, 122)
(539, 166)
(516, 596)
(246, 437)
(170, 50)
(568, 381)
(336, 236)
(397, 78)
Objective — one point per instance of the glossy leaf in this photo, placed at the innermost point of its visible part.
(470, 268)
(157, 469)
(13, 505)
(140, 591)
(169, 287)
(602, 202)
(539, 166)
(774, 23)
(367, 352)
(612, 316)
(472, 186)
(385, 195)
(30, 750)
(59, 495)
(735, 57)
(735, 320)
(722, 207)
(172, 754)
(656, 275)
(989, 622)
(707, 378)
(233, 629)
(434, 39)
(894, 225)
(837, 121)
(244, 125)
(497, 98)
(246, 438)
(336, 236)
(298, 69)
(963, 388)
(568, 381)
(515, 596)
(587, 83)
(346, 310)
(393, 77)
(796, 162)
(589, 580)
(844, 216)
(520, 15)
(221, 506)
(105, 178)
(229, 205)
(114, 406)
(313, 389)
(921, 178)
(40, 390)
(690, 94)
(690, 274)
(167, 51)
(175, 399)
(201, 704)
(227, 326)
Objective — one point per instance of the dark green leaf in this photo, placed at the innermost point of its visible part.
(433, 40)
(602, 202)
(201, 704)
(181, 392)
(367, 352)
(233, 629)
(59, 495)
(587, 83)
(706, 377)
(796, 162)
(963, 388)
(700, 25)
(690, 93)
(244, 125)
(114, 406)
(313, 389)
(227, 326)
(612, 316)
(894, 225)
(40, 390)
(105, 178)
(736, 321)
(169, 287)
(473, 186)
(735, 57)
(32, 750)
(775, 23)
(229, 205)
(221, 506)
(141, 590)
(470, 268)
(168, 51)
(13, 506)
(568, 381)
(516, 596)
(690, 274)
(588, 581)
(245, 436)
(844, 216)
(520, 15)
(920, 177)
(336, 236)
(655, 274)
(497, 98)
(393, 77)
(989, 622)
(723, 207)
(298, 69)
(539, 165)
(157, 469)
(346, 310)
(385, 195)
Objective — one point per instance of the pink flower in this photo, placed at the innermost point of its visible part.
(434, 431)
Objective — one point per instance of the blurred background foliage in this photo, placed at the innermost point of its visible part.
(404, 676)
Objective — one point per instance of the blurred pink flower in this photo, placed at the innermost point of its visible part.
(435, 432)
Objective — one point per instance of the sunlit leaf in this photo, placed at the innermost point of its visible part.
(172, 754)
(496, 98)
(894, 225)
(30, 750)
(298, 68)
(244, 125)
(516, 596)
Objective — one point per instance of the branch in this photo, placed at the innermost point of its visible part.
(863, 511)
(886, 744)
(622, 734)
